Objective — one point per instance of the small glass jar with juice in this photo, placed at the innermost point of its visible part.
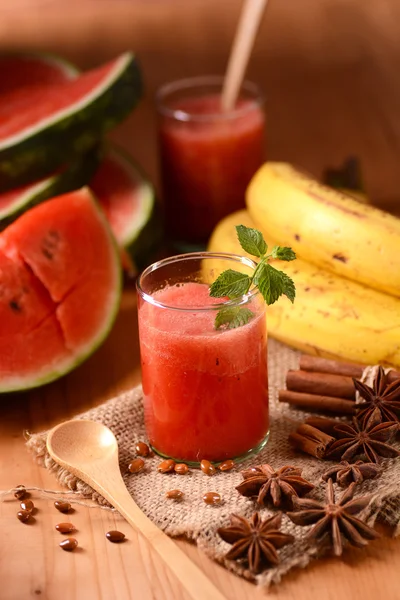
(207, 156)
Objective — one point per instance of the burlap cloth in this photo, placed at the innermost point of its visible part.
(198, 521)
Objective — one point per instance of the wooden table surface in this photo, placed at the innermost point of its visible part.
(331, 72)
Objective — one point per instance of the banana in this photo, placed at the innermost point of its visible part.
(326, 227)
(331, 316)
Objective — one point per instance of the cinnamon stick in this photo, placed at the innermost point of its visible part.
(317, 402)
(324, 384)
(312, 440)
(316, 434)
(299, 442)
(317, 364)
(323, 424)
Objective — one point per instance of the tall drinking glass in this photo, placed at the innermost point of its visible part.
(207, 156)
(205, 390)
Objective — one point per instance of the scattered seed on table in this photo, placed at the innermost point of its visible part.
(166, 466)
(142, 449)
(136, 465)
(65, 527)
(207, 467)
(227, 465)
(24, 516)
(62, 506)
(116, 537)
(27, 505)
(181, 469)
(69, 544)
(212, 498)
(174, 494)
(21, 492)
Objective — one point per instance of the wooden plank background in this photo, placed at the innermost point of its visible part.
(329, 68)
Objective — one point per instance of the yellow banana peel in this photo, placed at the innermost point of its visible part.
(325, 227)
(331, 316)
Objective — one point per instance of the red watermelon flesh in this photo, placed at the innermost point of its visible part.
(128, 199)
(59, 289)
(36, 69)
(118, 193)
(30, 106)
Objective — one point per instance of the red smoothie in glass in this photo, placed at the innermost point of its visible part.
(205, 391)
(207, 160)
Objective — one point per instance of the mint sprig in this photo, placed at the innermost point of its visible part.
(271, 282)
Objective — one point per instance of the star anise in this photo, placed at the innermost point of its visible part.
(334, 520)
(278, 487)
(345, 473)
(382, 396)
(255, 540)
(369, 439)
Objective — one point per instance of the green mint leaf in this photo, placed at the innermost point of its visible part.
(273, 283)
(283, 253)
(289, 288)
(230, 283)
(232, 317)
(252, 241)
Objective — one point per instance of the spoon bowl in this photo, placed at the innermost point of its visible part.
(82, 442)
(89, 450)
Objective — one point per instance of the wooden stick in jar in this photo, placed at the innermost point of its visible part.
(316, 364)
(317, 402)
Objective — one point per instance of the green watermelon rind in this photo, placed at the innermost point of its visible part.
(33, 155)
(73, 362)
(144, 235)
(74, 176)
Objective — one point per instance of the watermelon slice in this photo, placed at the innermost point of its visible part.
(60, 286)
(14, 202)
(21, 70)
(43, 126)
(128, 199)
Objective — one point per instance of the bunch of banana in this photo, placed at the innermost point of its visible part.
(332, 316)
(326, 227)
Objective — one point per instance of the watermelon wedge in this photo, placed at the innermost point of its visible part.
(75, 175)
(60, 286)
(22, 70)
(43, 126)
(129, 202)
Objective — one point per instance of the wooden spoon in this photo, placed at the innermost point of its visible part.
(89, 450)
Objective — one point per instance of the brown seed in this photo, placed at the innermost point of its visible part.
(24, 515)
(69, 544)
(142, 449)
(166, 466)
(27, 505)
(136, 465)
(65, 527)
(174, 494)
(207, 467)
(63, 507)
(115, 536)
(212, 498)
(181, 469)
(21, 492)
(227, 465)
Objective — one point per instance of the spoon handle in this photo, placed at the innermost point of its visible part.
(198, 586)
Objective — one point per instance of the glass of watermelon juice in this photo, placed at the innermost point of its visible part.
(205, 390)
(207, 156)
